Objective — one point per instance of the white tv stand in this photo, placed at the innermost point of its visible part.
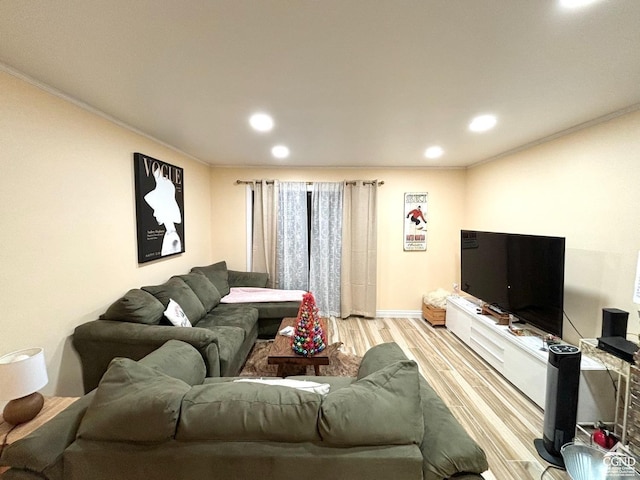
(521, 361)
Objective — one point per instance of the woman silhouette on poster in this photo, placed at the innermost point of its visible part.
(166, 212)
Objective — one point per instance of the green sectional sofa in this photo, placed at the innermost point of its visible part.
(134, 325)
(162, 418)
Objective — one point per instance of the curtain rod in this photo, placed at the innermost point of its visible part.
(348, 182)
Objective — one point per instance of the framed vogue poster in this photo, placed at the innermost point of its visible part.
(415, 221)
(159, 208)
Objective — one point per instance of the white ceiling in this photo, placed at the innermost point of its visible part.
(348, 82)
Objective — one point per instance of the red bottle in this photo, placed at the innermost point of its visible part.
(603, 437)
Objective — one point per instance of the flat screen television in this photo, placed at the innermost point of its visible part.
(522, 274)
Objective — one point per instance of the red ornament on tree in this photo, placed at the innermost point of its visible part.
(308, 338)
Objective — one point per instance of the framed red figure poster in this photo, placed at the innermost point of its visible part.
(415, 221)
(159, 208)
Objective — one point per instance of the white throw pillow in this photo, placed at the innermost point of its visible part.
(304, 385)
(176, 315)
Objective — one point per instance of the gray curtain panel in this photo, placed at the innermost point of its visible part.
(292, 252)
(326, 247)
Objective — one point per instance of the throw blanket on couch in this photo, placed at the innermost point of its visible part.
(256, 294)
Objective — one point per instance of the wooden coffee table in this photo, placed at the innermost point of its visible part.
(282, 355)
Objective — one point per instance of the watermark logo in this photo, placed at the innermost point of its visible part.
(619, 464)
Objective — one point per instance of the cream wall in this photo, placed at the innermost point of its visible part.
(403, 277)
(584, 187)
(68, 242)
(68, 247)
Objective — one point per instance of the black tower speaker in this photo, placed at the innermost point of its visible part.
(614, 322)
(561, 402)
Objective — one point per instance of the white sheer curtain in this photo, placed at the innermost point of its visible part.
(359, 249)
(265, 214)
(292, 257)
(326, 247)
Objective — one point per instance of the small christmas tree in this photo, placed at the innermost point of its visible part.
(309, 337)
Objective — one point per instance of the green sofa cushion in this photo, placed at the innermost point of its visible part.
(248, 412)
(133, 403)
(381, 409)
(206, 291)
(136, 306)
(231, 315)
(176, 289)
(378, 357)
(248, 279)
(217, 274)
(178, 360)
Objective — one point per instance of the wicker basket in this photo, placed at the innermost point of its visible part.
(434, 315)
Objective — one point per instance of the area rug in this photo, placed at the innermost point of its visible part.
(341, 364)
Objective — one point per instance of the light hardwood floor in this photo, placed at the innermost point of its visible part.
(500, 418)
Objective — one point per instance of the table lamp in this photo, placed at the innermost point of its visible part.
(22, 374)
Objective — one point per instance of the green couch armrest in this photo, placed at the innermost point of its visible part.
(100, 341)
(447, 449)
(40, 453)
(446, 446)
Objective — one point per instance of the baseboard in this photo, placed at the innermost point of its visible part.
(399, 313)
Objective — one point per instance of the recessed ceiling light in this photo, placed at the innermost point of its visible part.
(575, 3)
(433, 152)
(280, 151)
(482, 123)
(261, 122)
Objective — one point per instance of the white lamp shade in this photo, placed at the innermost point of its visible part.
(22, 373)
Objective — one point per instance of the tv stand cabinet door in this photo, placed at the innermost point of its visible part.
(527, 372)
(459, 322)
